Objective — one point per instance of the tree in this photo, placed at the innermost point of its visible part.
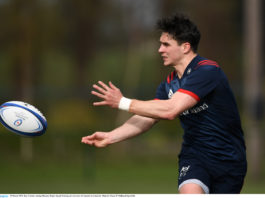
(25, 50)
(253, 79)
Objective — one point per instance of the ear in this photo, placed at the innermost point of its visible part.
(186, 47)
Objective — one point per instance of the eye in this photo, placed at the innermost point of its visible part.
(165, 44)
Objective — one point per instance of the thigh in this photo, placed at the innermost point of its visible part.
(228, 180)
(191, 171)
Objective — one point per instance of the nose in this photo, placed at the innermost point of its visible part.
(161, 48)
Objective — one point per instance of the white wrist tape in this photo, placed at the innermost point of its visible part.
(125, 104)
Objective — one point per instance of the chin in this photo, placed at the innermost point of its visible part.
(167, 64)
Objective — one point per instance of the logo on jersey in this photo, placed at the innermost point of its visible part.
(198, 109)
(184, 171)
(189, 71)
(170, 93)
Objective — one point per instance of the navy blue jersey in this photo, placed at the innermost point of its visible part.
(212, 128)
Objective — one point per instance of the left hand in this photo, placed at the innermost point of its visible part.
(110, 94)
(98, 139)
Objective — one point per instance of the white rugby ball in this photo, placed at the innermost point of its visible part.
(22, 118)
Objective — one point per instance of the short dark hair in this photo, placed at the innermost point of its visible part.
(181, 28)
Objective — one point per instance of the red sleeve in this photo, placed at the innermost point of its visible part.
(190, 93)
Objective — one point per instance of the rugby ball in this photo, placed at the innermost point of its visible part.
(22, 118)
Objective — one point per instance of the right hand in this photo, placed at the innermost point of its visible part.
(110, 94)
(97, 139)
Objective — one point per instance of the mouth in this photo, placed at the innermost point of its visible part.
(164, 58)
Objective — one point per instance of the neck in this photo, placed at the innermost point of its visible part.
(182, 65)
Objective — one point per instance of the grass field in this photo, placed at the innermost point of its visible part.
(66, 166)
(132, 176)
(114, 177)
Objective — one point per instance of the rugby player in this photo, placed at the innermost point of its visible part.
(213, 154)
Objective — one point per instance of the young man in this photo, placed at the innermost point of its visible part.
(213, 157)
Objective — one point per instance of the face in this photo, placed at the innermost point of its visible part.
(171, 52)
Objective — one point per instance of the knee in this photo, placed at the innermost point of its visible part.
(191, 189)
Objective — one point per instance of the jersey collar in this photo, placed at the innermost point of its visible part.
(191, 65)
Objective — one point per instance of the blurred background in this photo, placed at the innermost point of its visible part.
(52, 51)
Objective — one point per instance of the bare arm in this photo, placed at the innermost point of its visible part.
(132, 127)
(158, 109)
(163, 109)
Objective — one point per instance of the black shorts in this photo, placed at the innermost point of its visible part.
(224, 178)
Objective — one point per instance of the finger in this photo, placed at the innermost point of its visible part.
(102, 103)
(88, 140)
(85, 141)
(98, 94)
(100, 144)
(99, 89)
(88, 137)
(103, 85)
(112, 85)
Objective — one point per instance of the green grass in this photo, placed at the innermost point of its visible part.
(253, 186)
(136, 175)
(101, 177)
(66, 166)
